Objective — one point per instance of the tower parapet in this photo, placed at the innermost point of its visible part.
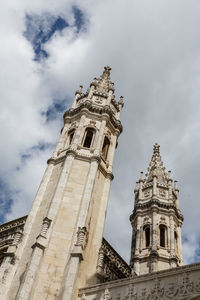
(156, 220)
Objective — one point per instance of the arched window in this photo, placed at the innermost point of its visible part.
(176, 240)
(162, 236)
(147, 236)
(71, 135)
(105, 147)
(88, 138)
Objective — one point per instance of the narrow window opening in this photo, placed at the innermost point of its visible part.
(2, 252)
(162, 236)
(105, 148)
(175, 239)
(88, 138)
(71, 135)
(147, 236)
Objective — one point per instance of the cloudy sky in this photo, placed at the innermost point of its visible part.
(48, 48)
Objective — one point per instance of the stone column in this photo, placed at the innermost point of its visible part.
(154, 230)
(154, 253)
(4, 290)
(154, 185)
(24, 292)
(170, 185)
(110, 94)
(172, 243)
(78, 132)
(101, 134)
(61, 143)
(179, 245)
(76, 255)
(57, 197)
(41, 241)
(137, 245)
(111, 152)
(120, 105)
(137, 266)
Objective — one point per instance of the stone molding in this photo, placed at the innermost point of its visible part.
(95, 109)
(182, 283)
(158, 204)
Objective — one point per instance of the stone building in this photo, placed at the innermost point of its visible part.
(58, 250)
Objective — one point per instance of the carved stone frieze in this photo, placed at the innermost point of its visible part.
(10, 234)
(110, 265)
(182, 283)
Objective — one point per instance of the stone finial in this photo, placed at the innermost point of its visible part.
(141, 176)
(169, 175)
(136, 187)
(156, 149)
(176, 185)
(79, 91)
(94, 82)
(121, 101)
(107, 70)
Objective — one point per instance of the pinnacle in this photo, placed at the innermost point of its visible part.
(156, 149)
(156, 167)
(104, 83)
(106, 72)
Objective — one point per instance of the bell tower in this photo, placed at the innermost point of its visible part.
(156, 220)
(63, 232)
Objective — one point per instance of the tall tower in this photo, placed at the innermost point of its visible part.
(156, 220)
(63, 232)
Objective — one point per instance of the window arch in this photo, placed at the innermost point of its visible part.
(89, 133)
(71, 135)
(147, 236)
(105, 148)
(163, 236)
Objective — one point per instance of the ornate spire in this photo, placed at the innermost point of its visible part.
(156, 167)
(103, 84)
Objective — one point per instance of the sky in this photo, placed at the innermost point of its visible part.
(48, 48)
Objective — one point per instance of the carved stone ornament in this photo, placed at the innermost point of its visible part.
(110, 266)
(98, 100)
(162, 192)
(172, 290)
(80, 236)
(106, 295)
(146, 193)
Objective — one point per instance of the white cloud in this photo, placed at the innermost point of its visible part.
(153, 48)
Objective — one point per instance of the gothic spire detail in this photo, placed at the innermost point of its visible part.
(156, 167)
(103, 83)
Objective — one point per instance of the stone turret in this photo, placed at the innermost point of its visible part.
(64, 229)
(156, 220)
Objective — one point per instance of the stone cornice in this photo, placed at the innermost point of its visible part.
(83, 157)
(161, 275)
(155, 203)
(97, 110)
(13, 224)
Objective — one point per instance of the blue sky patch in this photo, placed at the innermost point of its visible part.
(5, 200)
(40, 29)
(55, 110)
(79, 18)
